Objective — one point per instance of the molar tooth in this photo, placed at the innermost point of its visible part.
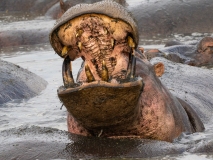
(67, 73)
(112, 42)
(90, 77)
(104, 73)
(105, 30)
(79, 33)
(130, 42)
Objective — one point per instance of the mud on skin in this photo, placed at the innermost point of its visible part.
(107, 42)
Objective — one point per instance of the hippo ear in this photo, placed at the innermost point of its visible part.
(159, 69)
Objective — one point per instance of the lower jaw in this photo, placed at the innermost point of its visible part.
(99, 104)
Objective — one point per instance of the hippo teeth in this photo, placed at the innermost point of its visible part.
(90, 77)
(105, 44)
(68, 77)
(67, 73)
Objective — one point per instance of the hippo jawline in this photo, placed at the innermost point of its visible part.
(102, 104)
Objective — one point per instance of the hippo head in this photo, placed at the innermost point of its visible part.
(105, 36)
(116, 92)
(205, 52)
(205, 45)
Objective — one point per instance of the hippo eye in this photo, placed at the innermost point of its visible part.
(211, 48)
(208, 49)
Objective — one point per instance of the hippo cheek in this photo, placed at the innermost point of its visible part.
(106, 90)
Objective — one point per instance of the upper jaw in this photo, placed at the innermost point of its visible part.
(103, 31)
(105, 7)
(105, 44)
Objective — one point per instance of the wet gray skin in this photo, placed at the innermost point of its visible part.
(156, 19)
(26, 7)
(183, 81)
(17, 83)
(25, 22)
(195, 54)
(164, 18)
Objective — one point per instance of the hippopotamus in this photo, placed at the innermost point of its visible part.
(16, 83)
(195, 54)
(116, 93)
(166, 18)
(160, 19)
(25, 33)
(51, 143)
(155, 19)
(26, 7)
(23, 27)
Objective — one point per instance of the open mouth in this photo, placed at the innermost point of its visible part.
(105, 44)
(106, 91)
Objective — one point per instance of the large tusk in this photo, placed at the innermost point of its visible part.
(112, 42)
(90, 77)
(67, 73)
(132, 59)
(104, 74)
(132, 75)
(131, 66)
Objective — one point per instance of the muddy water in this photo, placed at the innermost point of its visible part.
(45, 110)
(39, 121)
